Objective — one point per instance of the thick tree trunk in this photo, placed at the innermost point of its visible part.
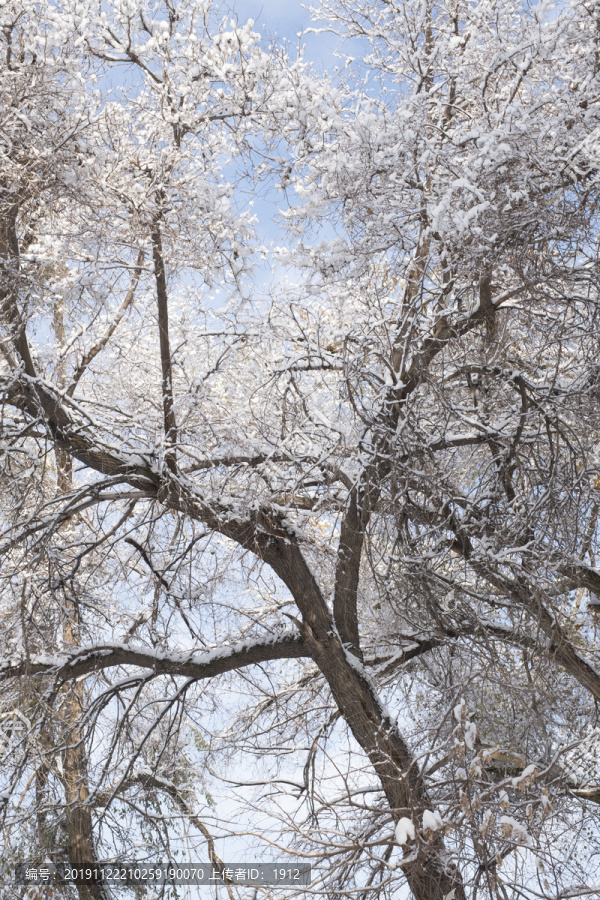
(80, 848)
(80, 832)
(345, 612)
(429, 876)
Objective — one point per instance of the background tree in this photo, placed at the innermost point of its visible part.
(345, 528)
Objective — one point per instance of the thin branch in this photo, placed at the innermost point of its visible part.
(101, 344)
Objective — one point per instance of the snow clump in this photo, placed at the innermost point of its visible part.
(470, 735)
(405, 830)
(432, 821)
(514, 831)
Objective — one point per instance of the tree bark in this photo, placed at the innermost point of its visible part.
(80, 832)
(165, 347)
(430, 877)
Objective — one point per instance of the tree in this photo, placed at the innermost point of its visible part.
(344, 527)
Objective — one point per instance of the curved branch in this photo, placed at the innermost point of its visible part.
(197, 666)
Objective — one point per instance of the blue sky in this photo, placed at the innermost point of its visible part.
(280, 21)
(286, 19)
(283, 17)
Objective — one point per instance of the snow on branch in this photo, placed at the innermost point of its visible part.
(191, 664)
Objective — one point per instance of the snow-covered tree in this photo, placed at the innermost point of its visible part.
(330, 538)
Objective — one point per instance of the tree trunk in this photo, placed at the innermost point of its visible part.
(165, 348)
(430, 876)
(80, 834)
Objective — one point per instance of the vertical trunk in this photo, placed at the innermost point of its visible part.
(486, 305)
(9, 273)
(80, 834)
(79, 823)
(75, 781)
(165, 349)
(345, 612)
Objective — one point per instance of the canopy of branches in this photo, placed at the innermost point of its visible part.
(300, 444)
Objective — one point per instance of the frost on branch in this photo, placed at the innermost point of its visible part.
(299, 440)
(513, 830)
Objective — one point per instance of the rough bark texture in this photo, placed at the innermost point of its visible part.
(429, 877)
(347, 573)
(80, 829)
